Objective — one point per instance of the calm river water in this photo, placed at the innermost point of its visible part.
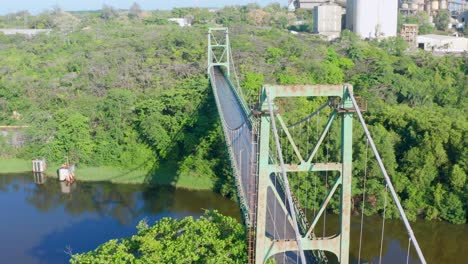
(40, 221)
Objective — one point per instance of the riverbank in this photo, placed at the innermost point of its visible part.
(165, 175)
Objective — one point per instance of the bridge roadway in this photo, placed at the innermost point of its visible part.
(238, 130)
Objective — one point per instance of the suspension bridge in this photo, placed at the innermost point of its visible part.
(264, 156)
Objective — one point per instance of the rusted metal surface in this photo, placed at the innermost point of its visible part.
(323, 206)
(217, 44)
(322, 136)
(291, 140)
(268, 246)
(331, 244)
(307, 90)
(346, 176)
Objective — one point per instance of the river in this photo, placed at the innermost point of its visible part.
(41, 222)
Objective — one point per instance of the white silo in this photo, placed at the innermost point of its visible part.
(404, 5)
(427, 6)
(373, 18)
(443, 4)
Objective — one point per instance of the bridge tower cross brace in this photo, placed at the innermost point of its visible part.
(338, 244)
(219, 49)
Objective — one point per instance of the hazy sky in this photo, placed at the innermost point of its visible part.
(37, 6)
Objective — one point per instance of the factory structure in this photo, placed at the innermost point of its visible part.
(372, 19)
(367, 18)
(431, 7)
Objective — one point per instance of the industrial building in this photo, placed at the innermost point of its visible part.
(328, 15)
(327, 20)
(27, 32)
(372, 18)
(463, 17)
(367, 18)
(439, 43)
(409, 32)
(433, 6)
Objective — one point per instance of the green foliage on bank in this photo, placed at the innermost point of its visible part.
(213, 238)
(125, 94)
(416, 101)
(131, 92)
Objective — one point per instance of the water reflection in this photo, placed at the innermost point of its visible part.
(440, 242)
(39, 177)
(39, 221)
(44, 215)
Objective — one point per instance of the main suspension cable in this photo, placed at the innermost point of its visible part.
(389, 182)
(286, 182)
(310, 116)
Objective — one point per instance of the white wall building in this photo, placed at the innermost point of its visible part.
(183, 22)
(327, 20)
(441, 43)
(372, 18)
(27, 32)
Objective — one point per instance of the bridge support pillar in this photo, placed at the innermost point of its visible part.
(266, 246)
(347, 160)
(262, 242)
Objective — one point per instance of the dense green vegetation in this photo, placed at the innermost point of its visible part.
(129, 90)
(415, 105)
(115, 93)
(213, 238)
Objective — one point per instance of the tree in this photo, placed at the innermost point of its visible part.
(135, 11)
(252, 83)
(73, 137)
(451, 209)
(64, 21)
(442, 19)
(457, 177)
(258, 17)
(213, 238)
(422, 20)
(109, 12)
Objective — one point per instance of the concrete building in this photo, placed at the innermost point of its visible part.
(183, 22)
(311, 4)
(409, 32)
(439, 43)
(463, 18)
(372, 18)
(432, 6)
(457, 7)
(27, 32)
(411, 6)
(307, 4)
(327, 20)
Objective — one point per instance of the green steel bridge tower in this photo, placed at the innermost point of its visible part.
(262, 183)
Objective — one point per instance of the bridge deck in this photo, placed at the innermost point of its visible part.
(238, 131)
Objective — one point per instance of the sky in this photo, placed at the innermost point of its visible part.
(37, 6)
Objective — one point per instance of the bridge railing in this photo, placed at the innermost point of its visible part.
(241, 194)
(240, 96)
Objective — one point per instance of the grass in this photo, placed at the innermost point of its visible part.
(165, 175)
(14, 165)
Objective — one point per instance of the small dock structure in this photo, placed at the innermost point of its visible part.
(39, 165)
(67, 172)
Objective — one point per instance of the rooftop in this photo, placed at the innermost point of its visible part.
(439, 37)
